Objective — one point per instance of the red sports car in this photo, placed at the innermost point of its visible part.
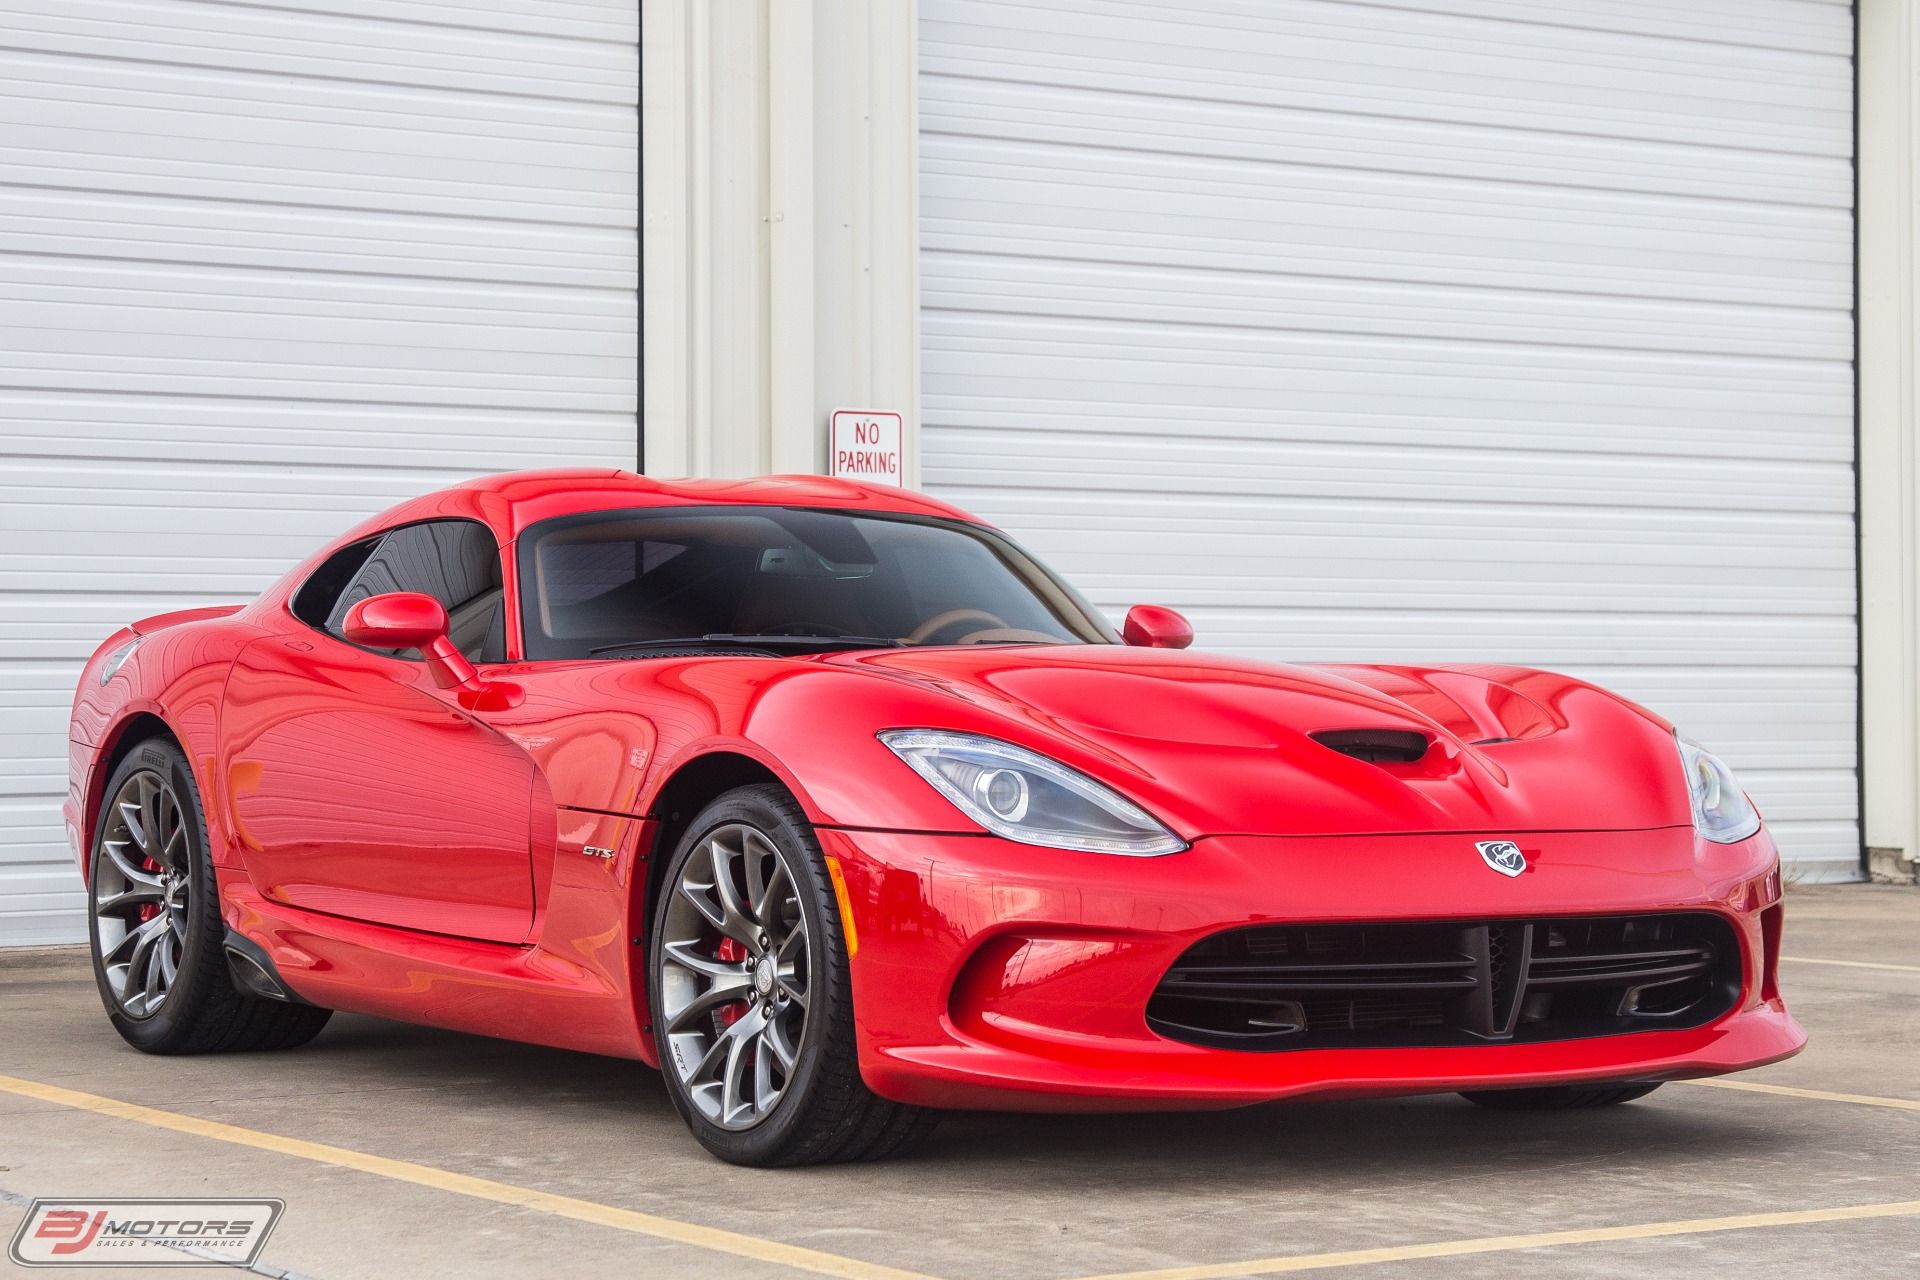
(839, 807)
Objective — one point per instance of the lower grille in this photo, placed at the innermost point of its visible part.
(1277, 987)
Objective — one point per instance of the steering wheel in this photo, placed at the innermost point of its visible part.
(942, 621)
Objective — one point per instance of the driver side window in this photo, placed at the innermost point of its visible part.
(454, 561)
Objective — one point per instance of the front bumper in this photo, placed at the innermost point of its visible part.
(994, 975)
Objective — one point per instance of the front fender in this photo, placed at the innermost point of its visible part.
(816, 731)
(176, 678)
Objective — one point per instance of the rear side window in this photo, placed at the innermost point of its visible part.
(455, 561)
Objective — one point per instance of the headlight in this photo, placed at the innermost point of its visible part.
(118, 658)
(1721, 811)
(1021, 795)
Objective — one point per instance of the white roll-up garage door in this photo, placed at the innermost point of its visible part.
(1434, 330)
(266, 268)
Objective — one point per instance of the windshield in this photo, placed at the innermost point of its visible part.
(623, 582)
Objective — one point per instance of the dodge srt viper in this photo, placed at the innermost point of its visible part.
(837, 806)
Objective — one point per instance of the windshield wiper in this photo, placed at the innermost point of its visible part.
(753, 642)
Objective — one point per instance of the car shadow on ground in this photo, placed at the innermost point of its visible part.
(1423, 1141)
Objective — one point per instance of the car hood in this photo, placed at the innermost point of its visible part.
(1218, 745)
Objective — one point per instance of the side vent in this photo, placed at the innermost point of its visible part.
(1375, 746)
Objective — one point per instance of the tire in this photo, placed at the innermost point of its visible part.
(150, 877)
(1560, 1097)
(752, 1001)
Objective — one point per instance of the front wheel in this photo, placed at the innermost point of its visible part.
(752, 999)
(1560, 1097)
(157, 936)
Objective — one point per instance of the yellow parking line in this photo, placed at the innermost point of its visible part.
(1854, 964)
(742, 1246)
(1818, 1095)
(1504, 1244)
(803, 1259)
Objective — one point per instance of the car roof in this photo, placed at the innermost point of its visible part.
(514, 500)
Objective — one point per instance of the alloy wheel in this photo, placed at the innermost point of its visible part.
(734, 975)
(142, 892)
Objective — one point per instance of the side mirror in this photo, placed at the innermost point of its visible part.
(1149, 626)
(410, 620)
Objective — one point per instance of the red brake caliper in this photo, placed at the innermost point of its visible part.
(148, 910)
(730, 951)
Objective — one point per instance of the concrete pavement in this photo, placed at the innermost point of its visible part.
(993, 1196)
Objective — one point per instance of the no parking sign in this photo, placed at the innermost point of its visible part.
(864, 444)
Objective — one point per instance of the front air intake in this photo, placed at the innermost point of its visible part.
(1277, 987)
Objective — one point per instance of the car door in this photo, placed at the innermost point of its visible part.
(356, 787)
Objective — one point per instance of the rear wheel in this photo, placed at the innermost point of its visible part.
(1560, 1097)
(155, 926)
(751, 995)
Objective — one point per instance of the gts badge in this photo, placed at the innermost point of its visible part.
(1503, 856)
(595, 851)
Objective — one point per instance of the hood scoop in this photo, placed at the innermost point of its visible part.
(1375, 746)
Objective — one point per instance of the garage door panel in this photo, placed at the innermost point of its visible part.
(1473, 539)
(1555, 641)
(1325, 583)
(1461, 330)
(41, 905)
(616, 20)
(1156, 364)
(1457, 67)
(1398, 544)
(1763, 718)
(162, 131)
(1563, 411)
(36, 697)
(163, 375)
(466, 345)
(1567, 49)
(224, 531)
(1065, 115)
(1212, 301)
(71, 226)
(1049, 406)
(1163, 213)
(1378, 231)
(150, 125)
(273, 267)
(1231, 191)
(1798, 28)
(129, 108)
(62, 425)
(257, 41)
(1826, 796)
(1172, 464)
(1808, 849)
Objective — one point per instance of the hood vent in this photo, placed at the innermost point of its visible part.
(1375, 746)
